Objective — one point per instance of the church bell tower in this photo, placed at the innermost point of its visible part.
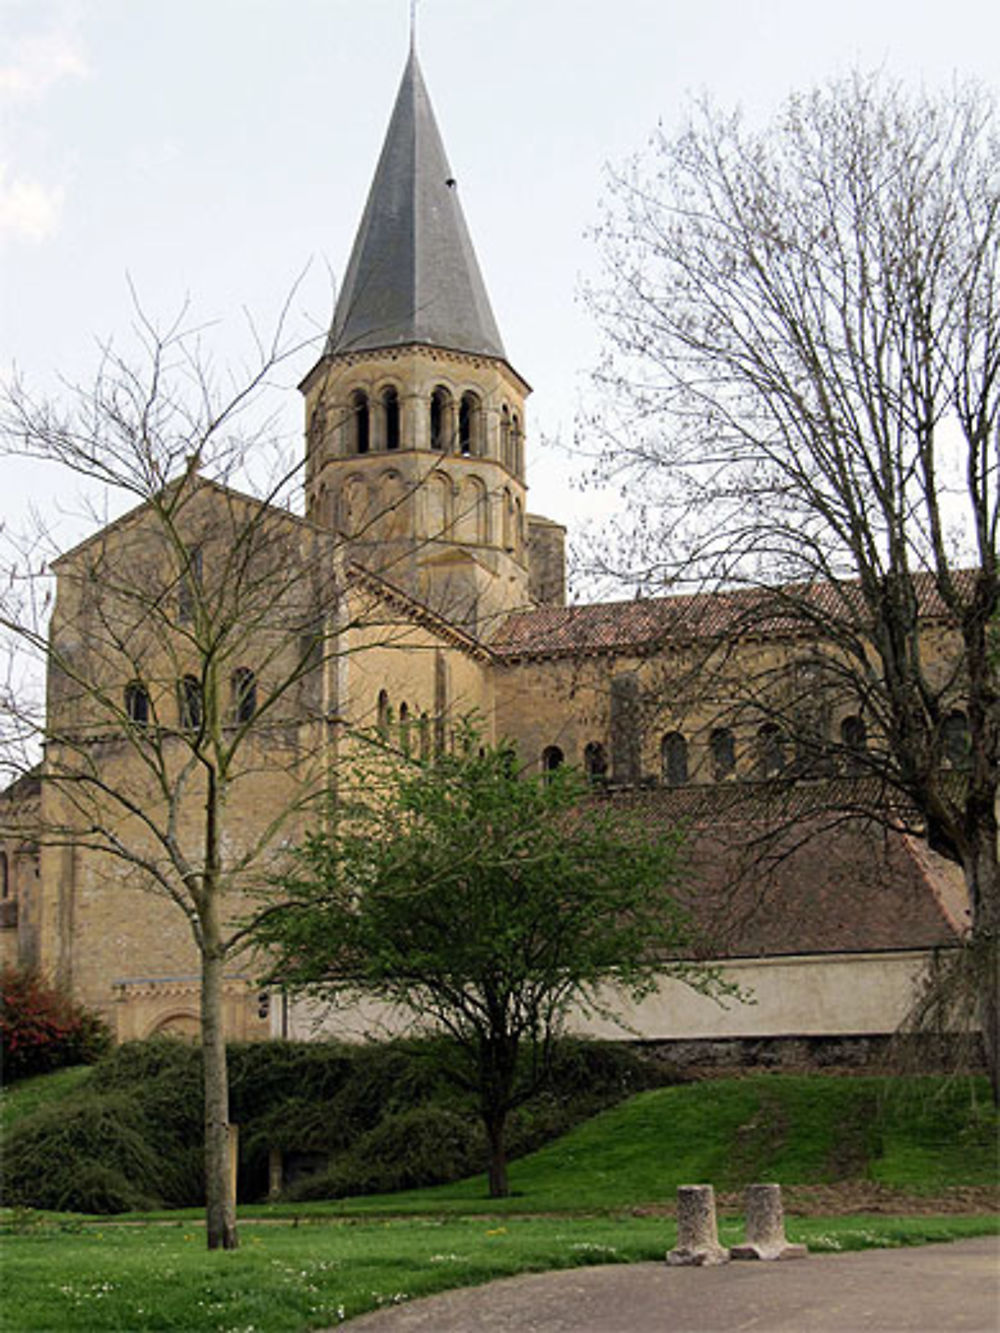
(414, 416)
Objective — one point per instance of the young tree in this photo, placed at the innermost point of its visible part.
(803, 377)
(189, 658)
(487, 905)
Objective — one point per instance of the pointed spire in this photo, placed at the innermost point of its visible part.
(413, 275)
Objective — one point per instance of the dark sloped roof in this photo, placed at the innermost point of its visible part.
(758, 887)
(644, 624)
(413, 275)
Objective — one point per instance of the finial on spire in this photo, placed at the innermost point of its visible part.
(413, 25)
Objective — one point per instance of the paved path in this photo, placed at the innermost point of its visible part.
(930, 1289)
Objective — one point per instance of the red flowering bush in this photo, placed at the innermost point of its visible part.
(41, 1030)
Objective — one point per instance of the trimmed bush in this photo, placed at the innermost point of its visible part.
(41, 1030)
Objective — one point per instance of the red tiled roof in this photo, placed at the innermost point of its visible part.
(644, 624)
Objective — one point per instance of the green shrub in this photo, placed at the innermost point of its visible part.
(41, 1030)
(89, 1154)
(423, 1146)
(382, 1115)
(136, 1062)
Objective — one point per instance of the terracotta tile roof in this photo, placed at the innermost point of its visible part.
(759, 887)
(645, 624)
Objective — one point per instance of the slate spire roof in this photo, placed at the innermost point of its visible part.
(413, 275)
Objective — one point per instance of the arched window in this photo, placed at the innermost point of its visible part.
(854, 739)
(382, 713)
(723, 749)
(595, 763)
(955, 739)
(137, 703)
(4, 876)
(505, 436)
(390, 417)
(468, 424)
(187, 590)
(770, 750)
(404, 728)
(440, 414)
(243, 688)
(674, 759)
(516, 462)
(192, 704)
(552, 758)
(361, 422)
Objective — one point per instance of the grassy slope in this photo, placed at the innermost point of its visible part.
(24, 1098)
(922, 1135)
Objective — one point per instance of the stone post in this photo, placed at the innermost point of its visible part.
(766, 1227)
(275, 1173)
(233, 1141)
(697, 1235)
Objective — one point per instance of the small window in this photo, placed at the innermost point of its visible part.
(468, 424)
(243, 685)
(440, 400)
(137, 703)
(383, 713)
(955, 745)
(187, 592)
(361, 422)
(516, 462)
(770, 750)
(552, 758)
(722, 745)
(192, 704)
(390, 418)
(505, 437)
(674, 759)
(4, 876)
(595, 763)
(404, 728)
(854, 739)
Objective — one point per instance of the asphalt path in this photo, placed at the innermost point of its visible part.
(952, 1288)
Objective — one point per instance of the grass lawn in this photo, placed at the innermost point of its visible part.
(287, 1277)
(572, 1204)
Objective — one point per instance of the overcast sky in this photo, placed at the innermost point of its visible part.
(216, 149)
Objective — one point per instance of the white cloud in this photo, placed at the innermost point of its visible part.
(33, 64)
(28, 210)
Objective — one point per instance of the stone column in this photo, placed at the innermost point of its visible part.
(275, 1173)
(697, 1235)
(766, 1227)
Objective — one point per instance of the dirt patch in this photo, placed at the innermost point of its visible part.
(849, 1196)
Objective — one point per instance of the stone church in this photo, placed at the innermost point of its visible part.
(416, 493)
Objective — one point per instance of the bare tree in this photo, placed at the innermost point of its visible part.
(190, 656)
(802, 381)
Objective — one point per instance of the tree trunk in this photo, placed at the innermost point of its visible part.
(983, 878)
(499, 1188)
(220, 1206)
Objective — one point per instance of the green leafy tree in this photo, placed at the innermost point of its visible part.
(488, 905)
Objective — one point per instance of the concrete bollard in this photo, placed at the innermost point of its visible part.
(697, 1235)
(766, 1227)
